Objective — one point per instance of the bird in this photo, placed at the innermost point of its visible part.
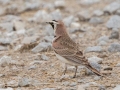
(67, 50)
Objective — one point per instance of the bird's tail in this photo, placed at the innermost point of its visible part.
(94, 70)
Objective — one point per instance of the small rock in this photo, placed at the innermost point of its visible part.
(12, 83)
(113, 22)
(89, 2)
(41, 16)
(2, 11)
(117, 87)
(32, 67)
(29, 40)
(56, 15)
(44, 57)
(114, 35)
(5, 60)
(68, 20)
(118, 12)
(10, 18)
(111, 8)
(114, 47)
(36, 62)
(81, 87)
(95, 59)
(1, 75)
(6, 88)
(96, 78)
(94, 49)
(98, 13)
(4, 2)
(94, 65)
(7, 26)
(103, 38)
(102, 88)
(32, 6)
(3, 48)
(21, 32)
(84, 15)
(95, 20)
(5, 41)
(49, 31)
(102, 43)
(43, 46)
(24, 82)
(59, 3)
(48, 38)
(108, 68)
(18, 25)
(75, 27)
(73, 84)
(66, 83)
(118, 65)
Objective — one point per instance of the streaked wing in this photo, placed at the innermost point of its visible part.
(65, 47)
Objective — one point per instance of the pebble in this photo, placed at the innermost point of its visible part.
(118, 12)
(94, 49)
(84, 15)
(113, 22)
(95, 59)
(96, 78)
(25, 82)
(102, 88)
(18, 25)
(42, 46)
(103, 38)
(6, 88)
(60, 3)
(56, 15)
(73, 84)
(111, 8)
(66, 83)
(7, 26)
(89, 2)
(81, 87)
(118, 65)
(48, 38)
(114, 47)
(41, 16)
(68, 20)
(114, 35)
(29, 40)
(3, 48)
(96, 20)
(98, 13)
(12, 83)
(31, 6)
(44, 57)
(5, 41)
(117, 87)
(102, 43)
(5, 60)
(49, 31)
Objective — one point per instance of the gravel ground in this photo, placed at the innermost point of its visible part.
(27, 61)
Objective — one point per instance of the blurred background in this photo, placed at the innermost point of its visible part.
(27, 61)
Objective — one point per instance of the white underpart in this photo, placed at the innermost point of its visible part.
(65, 60)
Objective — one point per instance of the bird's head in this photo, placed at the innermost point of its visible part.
(58, 27)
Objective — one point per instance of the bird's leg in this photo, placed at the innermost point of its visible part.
(75, 71)
(65, 69)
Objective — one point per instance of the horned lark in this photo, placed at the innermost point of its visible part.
(66, 49)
